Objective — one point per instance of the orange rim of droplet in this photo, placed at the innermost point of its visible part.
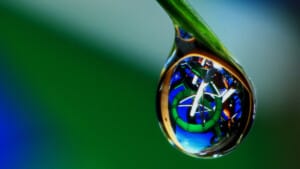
(192, 39)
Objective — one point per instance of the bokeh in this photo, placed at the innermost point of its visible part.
(78, 83)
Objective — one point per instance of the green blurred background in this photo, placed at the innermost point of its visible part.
(78, 83)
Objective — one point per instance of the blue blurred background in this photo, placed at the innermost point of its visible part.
(78, 82)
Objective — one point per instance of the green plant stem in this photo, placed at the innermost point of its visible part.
(184, 16)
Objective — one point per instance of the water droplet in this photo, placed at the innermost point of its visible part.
(204, 97)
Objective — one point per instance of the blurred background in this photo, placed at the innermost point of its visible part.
(78, 83)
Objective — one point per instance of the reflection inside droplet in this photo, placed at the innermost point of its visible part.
(207, 104)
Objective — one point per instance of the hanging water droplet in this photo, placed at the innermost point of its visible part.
(205, 101)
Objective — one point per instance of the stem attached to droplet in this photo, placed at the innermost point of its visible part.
(184, 16)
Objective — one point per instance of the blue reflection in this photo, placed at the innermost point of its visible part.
(193, 142)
